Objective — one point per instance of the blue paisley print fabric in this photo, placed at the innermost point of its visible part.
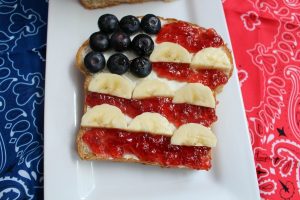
(23, 32)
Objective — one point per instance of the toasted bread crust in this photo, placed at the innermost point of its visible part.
(93, 4)
(83, 150)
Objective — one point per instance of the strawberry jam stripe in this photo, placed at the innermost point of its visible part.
(191, 37)
(177, 114)
(146, 147)
(183, 73)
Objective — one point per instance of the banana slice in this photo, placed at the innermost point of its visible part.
(104, 115)
(170, 52)
(151, 123)
(194, 135)
(196, 94)
(151, 88)
(111, 84)
(212, 58)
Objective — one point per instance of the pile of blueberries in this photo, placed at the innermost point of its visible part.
(115, 34)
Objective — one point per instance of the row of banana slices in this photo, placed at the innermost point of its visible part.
(212, 57)
(116, 85)
(190, 134)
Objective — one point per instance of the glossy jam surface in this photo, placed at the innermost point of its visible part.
(177, 114)
(191, 37)
(183, 73)
(116, 143)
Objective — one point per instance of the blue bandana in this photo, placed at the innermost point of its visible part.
(23, 32)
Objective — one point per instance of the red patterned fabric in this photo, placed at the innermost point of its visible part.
(265, 36)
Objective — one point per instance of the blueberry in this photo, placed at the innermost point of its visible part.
(150, 24)
(108, 23)
(143, 45)
(94, 61)
(120, 41)
(99, 41)
(118, 63)
(130, 24)
(140, 67)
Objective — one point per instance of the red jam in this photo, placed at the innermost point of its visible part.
(146, 147)
(191, 37)
(182, 72)
(178, 114)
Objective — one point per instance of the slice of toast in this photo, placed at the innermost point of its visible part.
(83, 149)
(93, 4)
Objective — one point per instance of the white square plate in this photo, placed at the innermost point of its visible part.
(67, 177)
